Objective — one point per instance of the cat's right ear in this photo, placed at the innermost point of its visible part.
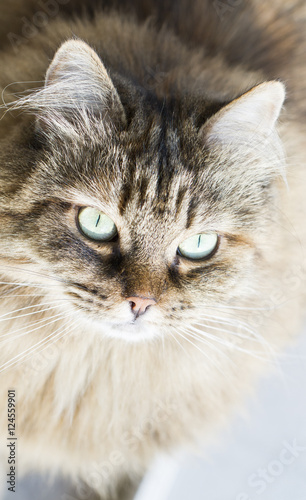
(78, 83)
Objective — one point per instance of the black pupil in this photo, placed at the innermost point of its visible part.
(98, 220)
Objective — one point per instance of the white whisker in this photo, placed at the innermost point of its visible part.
(28, 352)
(178, 342)
(29, 284)
(30, 295)
(206, 342)
(35, 273)
(255, 336)
(225, 343)
(204, 353)
(34, 306)
(30, 324)
(12, 337)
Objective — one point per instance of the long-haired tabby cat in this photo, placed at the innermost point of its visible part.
(152, 215)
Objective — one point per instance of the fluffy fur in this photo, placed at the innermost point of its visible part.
(171, 131)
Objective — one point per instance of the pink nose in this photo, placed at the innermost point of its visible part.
(140, 305)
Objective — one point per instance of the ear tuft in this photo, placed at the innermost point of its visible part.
(79, 80)
(75, 57)
(78, 92)
(252, 115)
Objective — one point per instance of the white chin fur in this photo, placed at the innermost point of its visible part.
(138, 331)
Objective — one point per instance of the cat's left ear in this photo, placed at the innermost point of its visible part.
(247, 119)
(77, 81)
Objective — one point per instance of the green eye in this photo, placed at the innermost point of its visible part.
(199, 246)
(96, 225)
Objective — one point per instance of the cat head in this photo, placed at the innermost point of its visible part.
(146, 211)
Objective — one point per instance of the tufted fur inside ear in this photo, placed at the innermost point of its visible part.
(251, 116)
(77, 92)
(79, 78)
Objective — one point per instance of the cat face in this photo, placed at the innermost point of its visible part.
(184, 207)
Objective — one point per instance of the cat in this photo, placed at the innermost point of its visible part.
(152, 228)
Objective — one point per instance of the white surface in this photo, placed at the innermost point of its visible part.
(256, 460)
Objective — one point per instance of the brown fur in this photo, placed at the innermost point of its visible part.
(98, 407)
